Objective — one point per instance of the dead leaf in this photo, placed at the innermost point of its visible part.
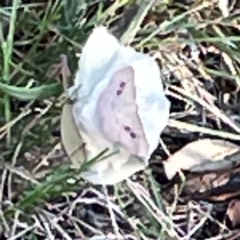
(71, 138)
(212, 187)
(201, 156)
(222, 193)
(205, 182)
(233, 212)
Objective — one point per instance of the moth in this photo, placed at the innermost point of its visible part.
(120, 105)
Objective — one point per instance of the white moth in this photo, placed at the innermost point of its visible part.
(119, 104)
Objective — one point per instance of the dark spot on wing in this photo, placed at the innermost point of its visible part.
(133, 135)
(119, 92)
(122, 84)
(127, 128)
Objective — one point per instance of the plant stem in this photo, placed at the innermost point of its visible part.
(7, 47)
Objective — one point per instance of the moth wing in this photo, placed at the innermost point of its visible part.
(118, 113)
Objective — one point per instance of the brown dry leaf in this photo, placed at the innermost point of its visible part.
(71, 138)
(205, 155)
(233, 212)
(213, 187)
(222, 193)
(203, 183)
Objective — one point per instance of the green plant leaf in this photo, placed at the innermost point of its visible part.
(24, 93)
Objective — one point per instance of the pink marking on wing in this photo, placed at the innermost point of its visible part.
(118, 111)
